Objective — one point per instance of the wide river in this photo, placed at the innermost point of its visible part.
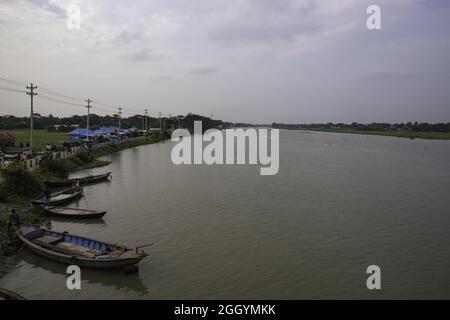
(339, 204)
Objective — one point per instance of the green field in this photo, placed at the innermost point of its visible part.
(40, 137)
(400, 134)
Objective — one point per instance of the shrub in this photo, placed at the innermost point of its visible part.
(3, 194)
(19, 181)
(56, 167)
(84, 156)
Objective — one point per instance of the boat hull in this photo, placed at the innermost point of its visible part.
(87, 215)
(82, 181)
(9, 295)
(72, 197)
(81, 262)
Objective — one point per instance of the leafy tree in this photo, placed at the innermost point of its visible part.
(19, 181)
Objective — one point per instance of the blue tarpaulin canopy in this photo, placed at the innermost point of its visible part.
(77, 133)
(107, 130)
(81, 132)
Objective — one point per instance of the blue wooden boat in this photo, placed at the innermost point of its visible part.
(77, 250)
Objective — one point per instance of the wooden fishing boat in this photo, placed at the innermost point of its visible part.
(62, 197)
(81, 181)
(9, 295)
(76, 250)
(74, 213)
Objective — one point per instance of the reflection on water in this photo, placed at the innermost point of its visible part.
(27, 263)
(116, 279)
(339, 204)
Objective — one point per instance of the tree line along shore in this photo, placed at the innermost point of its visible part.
(399, 134)
(411, 130)
(18, 185)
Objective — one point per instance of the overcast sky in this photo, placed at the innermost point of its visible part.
(241, 60)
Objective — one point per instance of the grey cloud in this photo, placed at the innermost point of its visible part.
(126, 37)
(161, 78)
(204, 70)
(265, 20)
(263, 31)
(392, 75)
(436, 4)
(45, 4)
(143, 55)
(318, 58)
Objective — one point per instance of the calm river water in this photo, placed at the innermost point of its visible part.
(339, 204)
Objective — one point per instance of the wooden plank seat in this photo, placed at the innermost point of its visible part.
(78, 250)
(58, 244)
(48, 240)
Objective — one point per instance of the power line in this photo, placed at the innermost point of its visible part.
(133, 110)
(22, 84)
(31, 94)
(58, 101)
(146, 123)
(57, 97)
(103, 110)
(59, 94)
(105, 105)
(120, 117)
(112, 107)
(12, 89)
(88, 101)
(130, 114)
(49, 91)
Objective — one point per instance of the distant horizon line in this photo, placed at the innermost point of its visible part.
(244, 122)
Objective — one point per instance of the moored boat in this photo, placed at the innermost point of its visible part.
(9, 295)
(77, 250)
(62, 197)
(81, 181)
(74, 213)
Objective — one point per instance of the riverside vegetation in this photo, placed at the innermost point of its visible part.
(18, 186)
(439, 131)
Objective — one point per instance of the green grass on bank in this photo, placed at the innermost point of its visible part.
(8, 242)
(40, 137)
(400, 134)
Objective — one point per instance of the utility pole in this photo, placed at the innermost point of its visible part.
(31, 94)
(120, 116)
(87, 124)
(146, 125)
(179, 122)
(160, 126)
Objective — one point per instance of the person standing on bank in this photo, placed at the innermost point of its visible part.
(47, 196)
(14, 219)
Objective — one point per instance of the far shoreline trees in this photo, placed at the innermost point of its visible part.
(375, 126)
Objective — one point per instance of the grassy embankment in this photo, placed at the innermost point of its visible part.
(40, 137)
(18, 186)
(400, 134)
